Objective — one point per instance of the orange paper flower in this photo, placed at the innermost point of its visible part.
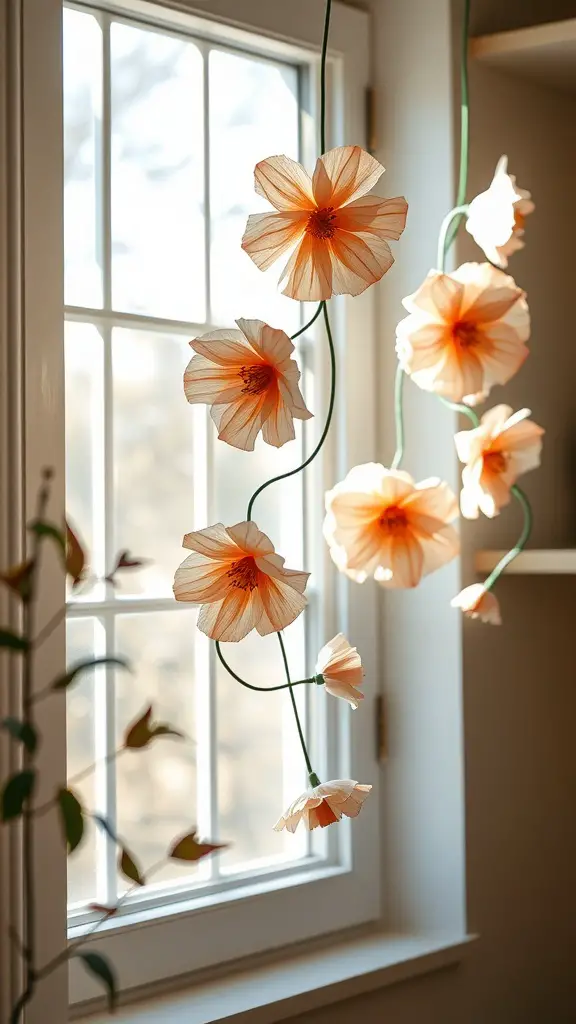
(496, 453)
(478, 603)
(234, 573)
(496, 217)
(324, 805)
(340, 232)
(249, 379)
(466, 331)
(380, 523)
(341, 667)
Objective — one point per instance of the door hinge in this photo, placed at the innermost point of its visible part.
(370, 117)
(381, 728)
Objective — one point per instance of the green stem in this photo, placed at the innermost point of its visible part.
(464, 120)
(298, 469)
(309, 324)
(323, 76)
(464, 409)
(311, 773)
(520, 543)
(443, 243)
(399, 417)
(262, 689)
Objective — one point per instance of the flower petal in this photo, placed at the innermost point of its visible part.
(344, 174)
(308, 273)
(284, 183)
(252, 541)
(282, 604)
(225, 348)
(271, 344)
(383, 217)
(358, 260)
(268, 235)
(229, 620)
(207, 383)
(213, 541)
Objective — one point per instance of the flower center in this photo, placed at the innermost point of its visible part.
(325, 814)
(393, 519)
(465, 334)
(495, 462)
(321, 223)
(256, 378)
(243, 574)
(519, 220)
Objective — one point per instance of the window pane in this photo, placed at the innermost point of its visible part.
(81, 638)
(156, 788)
(253, 114)
(157, 175)
(82, 123)
(260, 768)
(153, 470)
(84, 362)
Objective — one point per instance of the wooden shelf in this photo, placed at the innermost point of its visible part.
(544, 53)
(547, 561)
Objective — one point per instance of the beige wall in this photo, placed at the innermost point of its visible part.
(519, 681)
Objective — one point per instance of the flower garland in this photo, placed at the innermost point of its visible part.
(465, 331)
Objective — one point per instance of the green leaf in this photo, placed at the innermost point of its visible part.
(64, 681)
(129, 868)
(44, 529)
(100, 967)
(22, 731)
(75, 556)
(143, 731)
(17, 578)
(17, 790)
(72, 814)
(188, 848)
(105, 825)
(13, 641)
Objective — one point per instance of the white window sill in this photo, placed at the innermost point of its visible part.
(275, 992)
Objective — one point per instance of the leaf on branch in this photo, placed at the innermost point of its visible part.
(16, 792)
(128, 867)
(44, 529)
(101, 968)
(124, 560)
(13, 641)
(72, 815)
(106, 827)
(141, 732)
(17, 578)
(22, 731)
(101, 908)
(188, 848)
(75, 557)
(64, 681)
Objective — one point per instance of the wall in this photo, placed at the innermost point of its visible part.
(519, 692)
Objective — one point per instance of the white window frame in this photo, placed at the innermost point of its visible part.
(249, 920)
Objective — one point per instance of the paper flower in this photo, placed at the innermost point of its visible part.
(478, 603)
(380, 523)
(324, 805)
(496, 217)
(234, 573)
(341, 667)
(496, 453)
(249, 379)
(466, 331)
(340, 232)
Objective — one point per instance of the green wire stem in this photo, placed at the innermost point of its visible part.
(398, 417)
(323, 76)
(319, 679)
(309, 324)
(464, 121)
(299, 469)
(443, 243)
(520, 543)
(462, 408)
(311, 773)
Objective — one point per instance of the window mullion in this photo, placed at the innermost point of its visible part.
(105, 196)
(207, 212)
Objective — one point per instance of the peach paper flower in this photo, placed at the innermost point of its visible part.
(466, 331)
(496, 453)
(341, 667)
(324, 805)
(339, 232)
(249, 379)
(234, 573)
(496, 217)
(380, 523)
(478, 603)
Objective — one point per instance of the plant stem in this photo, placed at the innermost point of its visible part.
(323, 76)
(464, 120)
(398, 417)
(260, 689)
(291, 472)
(520, 543)
(309, 324)
(311, 773)
(462, 408)
(443, 244)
